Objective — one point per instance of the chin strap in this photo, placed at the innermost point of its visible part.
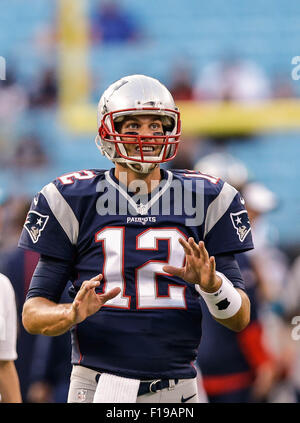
(141, 167)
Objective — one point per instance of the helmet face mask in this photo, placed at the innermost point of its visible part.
(139, 95)
(167, 141)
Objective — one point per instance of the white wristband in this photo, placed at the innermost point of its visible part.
(223, 303)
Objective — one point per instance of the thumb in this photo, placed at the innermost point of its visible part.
(109, 295)
(176, 271)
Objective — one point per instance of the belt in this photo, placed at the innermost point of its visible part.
(152, 385)
(155, 385)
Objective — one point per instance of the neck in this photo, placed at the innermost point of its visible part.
(128, 176)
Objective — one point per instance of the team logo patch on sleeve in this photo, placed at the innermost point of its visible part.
(241, 223)
(35, 224)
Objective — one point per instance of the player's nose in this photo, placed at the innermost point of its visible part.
(146, 133)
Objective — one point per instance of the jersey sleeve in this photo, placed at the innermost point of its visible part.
(51, 227)
(227, 227)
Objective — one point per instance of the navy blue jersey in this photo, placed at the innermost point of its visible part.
(152, 329)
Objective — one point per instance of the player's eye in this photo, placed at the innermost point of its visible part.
(130, 133)
(132, 125)
(155, 126)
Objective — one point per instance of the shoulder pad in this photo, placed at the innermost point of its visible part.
(194, 174)
(81, 182)
(212, 184)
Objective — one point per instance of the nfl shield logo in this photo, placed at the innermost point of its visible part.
(81, 395)
(241, 223)
(142, 209)
(35, 224)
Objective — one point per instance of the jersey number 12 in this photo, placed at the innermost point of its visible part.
(147, 297)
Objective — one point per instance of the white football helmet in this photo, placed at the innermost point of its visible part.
(133, 95)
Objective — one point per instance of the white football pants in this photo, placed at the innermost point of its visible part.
(83, 386)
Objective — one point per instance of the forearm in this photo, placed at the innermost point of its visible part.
(45, 317)
(9, 383)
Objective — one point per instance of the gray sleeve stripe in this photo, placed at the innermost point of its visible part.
(218, 207)
(62, 211)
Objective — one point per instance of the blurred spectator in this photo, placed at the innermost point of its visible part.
(46, 378)
(3, 202)
(187, 150)
(13, 102)
(244, 369)
(18, 265)
(269, 262)
(271, 269)
(236, 367)
(232, 79)
(9, 379)
(112, 24)
(45, 92)
(29, 154)
(13, 99)
(225, 166)
(181, 82)
(13, 216)
(289, 303)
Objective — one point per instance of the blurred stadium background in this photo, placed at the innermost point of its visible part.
(60, 56)
(61, 67)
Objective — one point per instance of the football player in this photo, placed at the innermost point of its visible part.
(140, 245)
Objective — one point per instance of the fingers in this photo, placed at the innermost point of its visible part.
(88, 285)
(212, 264)
(187, 249)
(194, 246)
(197, 250)
(97, 278)
(203, 251)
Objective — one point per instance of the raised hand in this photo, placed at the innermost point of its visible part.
(199, 267)
(87, 302)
